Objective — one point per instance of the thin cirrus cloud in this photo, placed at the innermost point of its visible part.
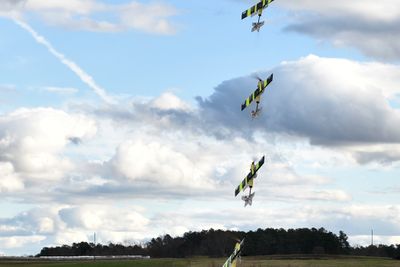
(77, 70)
(131, 14)
(60, 90)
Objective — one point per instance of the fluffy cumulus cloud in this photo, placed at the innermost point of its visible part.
(60, 225)
(65, 225)
(7, 5)
(330, 102)
(169, 101)
(163, 147)
(31, 145)
(371, 26)
(111, 224)
(159, 163)
(10, 181)
(38, 221)
(87, 14)
(174, 160)
(20, 241)
(77, 223)
(148, 17)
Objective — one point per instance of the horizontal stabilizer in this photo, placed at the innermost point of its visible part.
(248, 200)
(257, 26)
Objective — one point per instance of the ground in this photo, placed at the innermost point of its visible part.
(206, 262)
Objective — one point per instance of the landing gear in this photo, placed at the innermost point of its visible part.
(256, 113)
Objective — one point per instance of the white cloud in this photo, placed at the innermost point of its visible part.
(158, 163)
(370, 26)
(70, 6)
(9, 181)
(70, 236)
(169, 101)
(60, 225)
(348, 218)
(19, 241)
(170, 149)
(181, 164)
(282, 174)
(365, 240)
(60, 90)
(46, 225)
(320, 99)
(163, 158)
(106, 218)
(86, 15)
(32, 139)
(9, 8)
(7, 88)
(150, 17)
(302, 193)
(384, 10)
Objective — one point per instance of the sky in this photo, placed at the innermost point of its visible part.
(122, 118)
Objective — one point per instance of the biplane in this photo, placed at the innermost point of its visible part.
(256, 9)
(233, 258)
(256, 95)
(248, 182)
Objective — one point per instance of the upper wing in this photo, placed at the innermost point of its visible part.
(257, 92)
(228, 262)
(242, 186)
(231, 261)
(245, 182)
(238, 249)
(253, 10)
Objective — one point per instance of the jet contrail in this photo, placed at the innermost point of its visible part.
(86, 78)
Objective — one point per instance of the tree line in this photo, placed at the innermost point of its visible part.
(219, 243)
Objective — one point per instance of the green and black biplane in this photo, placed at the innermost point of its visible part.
(233, 258)
(256, 9)
(256, 95)
(248, 182)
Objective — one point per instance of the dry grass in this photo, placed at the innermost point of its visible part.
(206, 262)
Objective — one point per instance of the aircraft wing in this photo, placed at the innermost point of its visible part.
(243, 185)
(257, 92)
(231, 261)
(254, 9)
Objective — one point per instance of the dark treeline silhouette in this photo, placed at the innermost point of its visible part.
(89, 249)
(392, 251)
(218, 243)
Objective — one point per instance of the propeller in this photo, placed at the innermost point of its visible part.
(255, 76)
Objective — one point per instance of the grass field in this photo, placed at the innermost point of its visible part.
(205, 262)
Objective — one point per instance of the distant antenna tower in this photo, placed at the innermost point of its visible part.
(94, 248)
(372, 237)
